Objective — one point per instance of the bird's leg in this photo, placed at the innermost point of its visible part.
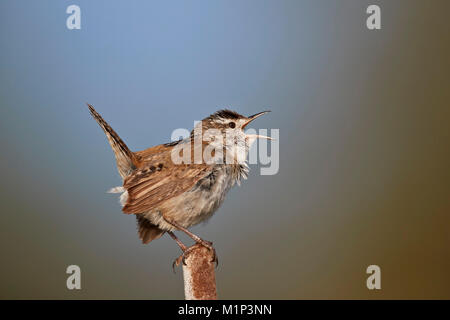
(194, 237)
(178, 241)
(183, 248)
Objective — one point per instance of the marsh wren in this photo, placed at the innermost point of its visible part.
(166, 195)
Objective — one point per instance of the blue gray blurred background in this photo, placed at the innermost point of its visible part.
(364, 144)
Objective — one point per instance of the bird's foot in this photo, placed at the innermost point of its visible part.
(209, 245)
(183, 256)
(178, 261)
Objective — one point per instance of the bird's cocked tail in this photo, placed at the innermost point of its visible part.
(124, 157)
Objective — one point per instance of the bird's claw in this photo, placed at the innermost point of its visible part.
(178, 261)
(209, 246)
(182, 257)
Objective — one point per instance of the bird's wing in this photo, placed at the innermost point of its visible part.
(149, 186)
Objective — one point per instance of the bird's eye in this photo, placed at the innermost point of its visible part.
(232, 125)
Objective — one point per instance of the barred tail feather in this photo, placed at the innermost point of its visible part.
(124, 157)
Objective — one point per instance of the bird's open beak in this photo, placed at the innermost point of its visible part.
(257, 136)
(253, 117)
(250, 119)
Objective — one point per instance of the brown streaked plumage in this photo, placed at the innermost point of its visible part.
(167, 196)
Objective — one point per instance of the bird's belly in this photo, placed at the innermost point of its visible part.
(194, 206)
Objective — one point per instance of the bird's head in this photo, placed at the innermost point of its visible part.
(226, 128)
(227, 121)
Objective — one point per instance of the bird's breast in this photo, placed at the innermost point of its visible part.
(199, 203)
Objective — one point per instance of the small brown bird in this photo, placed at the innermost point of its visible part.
(166, 195)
